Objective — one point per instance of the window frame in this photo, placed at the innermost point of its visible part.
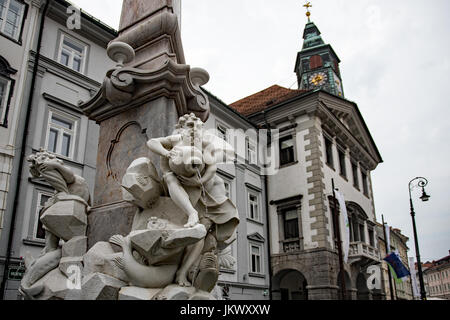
(328, 147)
(21, 22)
(280, 141)
(219, 126)
(355, 174)
(251, 156)
(61, 132)
(365, 181)
(74, 41)
(257, 202)
(5, 99)
(260, 247)
(342, 167)
(297, 219)
(37, 209)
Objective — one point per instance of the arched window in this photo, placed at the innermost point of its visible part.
(6, 90)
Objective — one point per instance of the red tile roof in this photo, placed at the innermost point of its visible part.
(264, 99)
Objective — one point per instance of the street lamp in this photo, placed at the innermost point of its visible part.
(421, 182)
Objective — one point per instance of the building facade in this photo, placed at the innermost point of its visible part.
(402, 290)
(319, 138)
(247, 278)
(437, 278)
(71, 66)
(17, 33)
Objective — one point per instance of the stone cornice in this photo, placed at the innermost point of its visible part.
(357, 149)
(126, 87)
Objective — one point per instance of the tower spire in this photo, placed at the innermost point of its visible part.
(317, 65)
(308, 13)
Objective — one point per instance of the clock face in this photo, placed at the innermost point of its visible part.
(318, 79)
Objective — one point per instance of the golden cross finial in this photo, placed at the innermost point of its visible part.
(307, 6)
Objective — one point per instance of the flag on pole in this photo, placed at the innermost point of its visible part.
(400, 272)
(344, 225)
(412, 268)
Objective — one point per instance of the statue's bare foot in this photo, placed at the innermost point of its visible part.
(182, 280)
(192, 221)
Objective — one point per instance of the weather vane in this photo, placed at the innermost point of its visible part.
(307, 6)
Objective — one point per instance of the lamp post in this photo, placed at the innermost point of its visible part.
(421, 182)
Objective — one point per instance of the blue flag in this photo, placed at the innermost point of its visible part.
(397, 265)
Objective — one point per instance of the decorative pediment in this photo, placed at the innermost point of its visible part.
(5, 68)
(344, 120)
(256, 237)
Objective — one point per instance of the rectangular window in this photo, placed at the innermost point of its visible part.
(227, 189)
(362, 234)
(222, 132)
(329, 152)
(342, 164)
(11, 16)
(286, 150)
(355, 175)
(251, 153)
(39, 232)
(4, 95)
(72, 54)
(291, 224)
(61, 134)
(253, 207)
(256, 260)
(365, 183)
(371, 240)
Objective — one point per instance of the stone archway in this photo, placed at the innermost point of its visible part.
(363, 292)
(348, 285)
(289, 285)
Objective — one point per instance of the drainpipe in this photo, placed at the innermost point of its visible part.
(266, 188)
(23, 151)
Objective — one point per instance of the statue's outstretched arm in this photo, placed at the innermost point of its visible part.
(67, 174)
(160, 146)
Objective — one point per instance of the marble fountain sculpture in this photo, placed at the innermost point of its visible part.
(183, 221)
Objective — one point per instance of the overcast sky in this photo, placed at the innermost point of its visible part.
(395, 66)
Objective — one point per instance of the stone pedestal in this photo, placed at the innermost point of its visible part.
(141, 98)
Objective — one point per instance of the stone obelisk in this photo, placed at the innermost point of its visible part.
(141, 98)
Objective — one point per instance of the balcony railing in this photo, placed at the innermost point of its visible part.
(291, 246)
(362, 250)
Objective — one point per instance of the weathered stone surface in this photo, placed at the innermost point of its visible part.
(133, 10)
(100, 259)
(164, 209)
(136, 293)
(66, 219)
(56, 287)
(100, 286)
(176, 292)
(142, 182)
(157, 117)
(169, 236)
(109, 220)
(75, 247)
(69, 265)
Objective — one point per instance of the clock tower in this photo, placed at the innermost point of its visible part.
(317, 64)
